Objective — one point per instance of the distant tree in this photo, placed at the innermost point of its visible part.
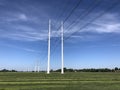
(88, 70)
(51, 70)
(13, 71)
(70, 70)
(58, 70)
(65, 69)
(116, 68)
(4, 70)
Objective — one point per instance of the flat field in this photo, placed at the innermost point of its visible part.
(56, 81)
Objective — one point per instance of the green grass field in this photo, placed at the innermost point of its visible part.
(56, 81)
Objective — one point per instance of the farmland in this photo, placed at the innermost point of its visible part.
(56, 81)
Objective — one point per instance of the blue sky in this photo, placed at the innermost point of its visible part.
(91, 33)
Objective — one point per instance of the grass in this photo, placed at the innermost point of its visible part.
(56, 81)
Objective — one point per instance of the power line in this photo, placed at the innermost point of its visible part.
(73, 9)
(112, 6)
(71, 12)
(104, 12)
(64, 6)
(82, 16)
(64, 10)
(89, 10)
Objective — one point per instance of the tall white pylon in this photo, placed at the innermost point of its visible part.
(37, 67)
(62, 52)
(48, 67)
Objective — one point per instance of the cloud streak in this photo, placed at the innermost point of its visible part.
(28, 24)
(107, 24)
(21, 48)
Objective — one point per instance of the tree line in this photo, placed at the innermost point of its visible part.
(116, 69)
(5, 70)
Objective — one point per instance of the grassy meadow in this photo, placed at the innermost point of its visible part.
(56, 81)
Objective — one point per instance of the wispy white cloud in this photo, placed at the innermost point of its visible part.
(22, 17)
(20, 48)
(9, 17)
(108, 28)
(108, 23)
(23, 32)
(25, 36)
